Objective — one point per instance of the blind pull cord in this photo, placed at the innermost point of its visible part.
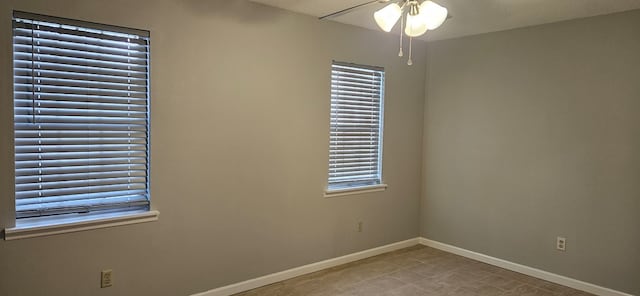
(410, 61)
(33, 78)
(400, 54)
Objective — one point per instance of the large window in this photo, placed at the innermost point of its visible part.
(355, 151)
(81, 113)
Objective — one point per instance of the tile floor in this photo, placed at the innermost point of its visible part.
(417, 270)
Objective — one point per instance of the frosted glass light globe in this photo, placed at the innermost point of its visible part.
(388, 16)
(434, 15)
(416, 25)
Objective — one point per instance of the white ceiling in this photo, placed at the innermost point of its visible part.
(470, 17)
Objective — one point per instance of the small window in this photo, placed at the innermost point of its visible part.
(355, 150)
(81, 116)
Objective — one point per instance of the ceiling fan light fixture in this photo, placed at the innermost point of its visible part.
(416, 25)
(433, 14)
(388, 16)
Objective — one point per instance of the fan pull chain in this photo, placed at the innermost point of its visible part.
(400, 54)
(410, 61)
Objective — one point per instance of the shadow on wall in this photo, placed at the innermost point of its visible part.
(240, 10)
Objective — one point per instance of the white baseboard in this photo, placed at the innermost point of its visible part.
(302, 270)
(537, 273)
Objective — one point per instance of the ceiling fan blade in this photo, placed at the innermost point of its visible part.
(347, 10)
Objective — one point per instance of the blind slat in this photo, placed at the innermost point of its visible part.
(78, 169)
(82, 76)
(123, 203)
(80, 105)
(28, 40)
(42, 111)
(76, 89)
(79, 176)
(40, 50)
(79, 155)
(82, 69)
(80, 148)
(79, 61)
(79, 98)
(65, 31)
(42, 81)
(77, 190)
(74, 184)
(43, 119)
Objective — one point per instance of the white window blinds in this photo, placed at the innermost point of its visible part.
(355, 151)
(81, 115)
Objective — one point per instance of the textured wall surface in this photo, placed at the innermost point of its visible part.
(535, 133)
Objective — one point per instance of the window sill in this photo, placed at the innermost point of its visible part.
(43, 226)
(354, 190)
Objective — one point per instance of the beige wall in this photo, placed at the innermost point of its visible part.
(535, 133)
(240, 123)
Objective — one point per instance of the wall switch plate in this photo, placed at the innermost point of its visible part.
(359, 227)
(106, 278)
(561, 243)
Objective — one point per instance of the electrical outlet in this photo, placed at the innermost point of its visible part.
(359, 226)
(106, 278)
(561, 243)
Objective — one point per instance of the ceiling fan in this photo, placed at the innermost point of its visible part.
(421, 16)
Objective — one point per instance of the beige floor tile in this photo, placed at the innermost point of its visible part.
(407, 276)
(377, 286)
(528, 290)
(408, 290)
(435, 287)
(403, 261)
(463, 291)
(499, 281)
(483, 289)
(553, 288)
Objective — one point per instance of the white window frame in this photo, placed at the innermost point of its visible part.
(361, 85)
(51, 211)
